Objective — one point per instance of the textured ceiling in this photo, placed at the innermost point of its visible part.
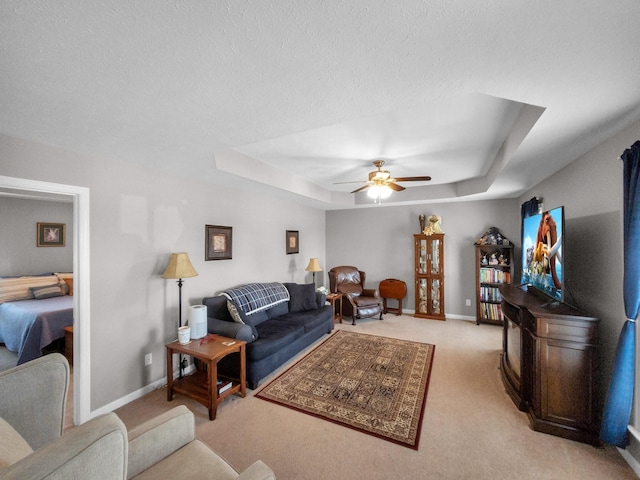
(488, 98)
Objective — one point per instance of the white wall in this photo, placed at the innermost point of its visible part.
(138, 218)
(19, 253)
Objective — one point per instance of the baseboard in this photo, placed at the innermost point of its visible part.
(120, 402)
(447, 315)
(633, 463)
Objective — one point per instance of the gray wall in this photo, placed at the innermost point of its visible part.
(138, 218)
(19, 253)
(379, 241)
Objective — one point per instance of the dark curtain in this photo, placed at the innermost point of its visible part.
(617, 409)
(529, 208)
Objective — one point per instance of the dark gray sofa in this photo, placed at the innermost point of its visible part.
(273, 335)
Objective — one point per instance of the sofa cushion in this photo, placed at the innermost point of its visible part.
(12, 446)
(302, 297)
(275, 335)
(310, 319)
(278, 310)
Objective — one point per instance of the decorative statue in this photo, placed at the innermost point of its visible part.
(434, 225)
(421, 218)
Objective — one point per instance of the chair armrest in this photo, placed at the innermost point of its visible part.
(33, 397)
(95, 449)
(159, 437)
(371, 292)
(236, 330)
(257, 471)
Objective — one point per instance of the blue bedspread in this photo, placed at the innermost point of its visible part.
(29, 325)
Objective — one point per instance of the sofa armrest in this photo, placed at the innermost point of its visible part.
(33, 397)
(236, 330)
(257, 471)
(159, 437)
(95, 449)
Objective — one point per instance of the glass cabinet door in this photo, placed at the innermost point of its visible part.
(422, 257)
(423, 298)
(435, 296)
(435, 256)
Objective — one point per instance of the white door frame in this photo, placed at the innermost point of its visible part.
(81, 286)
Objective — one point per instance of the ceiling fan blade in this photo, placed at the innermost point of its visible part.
(360, 189)
(395, 186)
(412, 179)
(355, 181)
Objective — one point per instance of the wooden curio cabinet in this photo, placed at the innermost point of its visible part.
(429, 276)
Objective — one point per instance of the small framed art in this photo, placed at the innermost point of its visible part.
(293, 246)
(51, 234)
(218, 242)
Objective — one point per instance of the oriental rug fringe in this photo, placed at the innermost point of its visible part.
(377, 385)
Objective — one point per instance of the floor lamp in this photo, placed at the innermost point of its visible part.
(179, 267)
(313, 267)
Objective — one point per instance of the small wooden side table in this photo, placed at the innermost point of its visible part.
(333, 299)
(394, 289)
(68, 344)
(202, 385)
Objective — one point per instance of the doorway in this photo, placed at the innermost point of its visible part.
(81, 298)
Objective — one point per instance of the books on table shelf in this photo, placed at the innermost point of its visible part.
(223, 386)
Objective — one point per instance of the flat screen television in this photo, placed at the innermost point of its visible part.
(542, 266)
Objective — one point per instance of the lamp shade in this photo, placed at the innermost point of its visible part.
(179, 267)
(313, 266)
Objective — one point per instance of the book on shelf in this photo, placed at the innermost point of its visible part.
(491, 311)
(223, 386)
(494, 275)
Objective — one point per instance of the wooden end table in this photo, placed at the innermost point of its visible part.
(334, 298)
(202, 385)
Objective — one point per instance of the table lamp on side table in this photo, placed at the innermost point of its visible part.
(179, 267)
(313, 267)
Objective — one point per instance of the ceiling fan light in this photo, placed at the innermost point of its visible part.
(385, 191)
(374, 191)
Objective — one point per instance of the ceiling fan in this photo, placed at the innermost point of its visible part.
(382, 182)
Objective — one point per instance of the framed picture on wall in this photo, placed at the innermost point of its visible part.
(50, 234)
(293, 245)
(218, 242)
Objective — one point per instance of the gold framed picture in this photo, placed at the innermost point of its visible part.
(218, 242)
(51, 234)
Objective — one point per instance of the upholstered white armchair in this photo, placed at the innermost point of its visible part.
(33, 446)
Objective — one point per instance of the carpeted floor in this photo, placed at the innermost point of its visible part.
(471, 428)
(377, 385)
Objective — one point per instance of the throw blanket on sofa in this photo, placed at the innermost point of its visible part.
(254, 297)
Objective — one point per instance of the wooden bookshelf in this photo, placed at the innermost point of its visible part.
(494, 267)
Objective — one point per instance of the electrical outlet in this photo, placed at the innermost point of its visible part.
(147, 359)
(468, 302)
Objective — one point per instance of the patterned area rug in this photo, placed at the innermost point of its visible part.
(377, 385)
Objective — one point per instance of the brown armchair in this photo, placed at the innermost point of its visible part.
(360, 302)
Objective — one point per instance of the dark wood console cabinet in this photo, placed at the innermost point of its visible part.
(549, 362)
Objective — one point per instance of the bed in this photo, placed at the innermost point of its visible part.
(37, 317)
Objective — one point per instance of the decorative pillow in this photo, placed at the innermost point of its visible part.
(47, 291)
(239, 317)
(303, 297)
(12, 446)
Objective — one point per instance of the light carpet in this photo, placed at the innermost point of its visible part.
(377, 385)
